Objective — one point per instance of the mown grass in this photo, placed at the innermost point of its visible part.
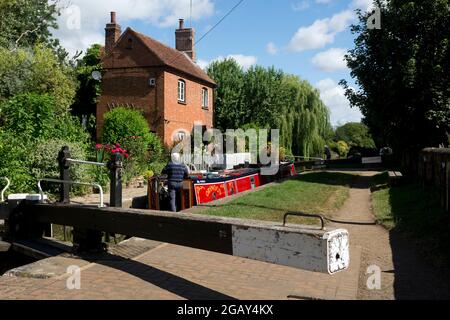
(321, 192)
(415, 211)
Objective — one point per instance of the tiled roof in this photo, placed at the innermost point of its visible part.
(172, 58)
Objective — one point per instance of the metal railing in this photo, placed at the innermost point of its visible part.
(99, 187)
(75, 161)
(8, 183)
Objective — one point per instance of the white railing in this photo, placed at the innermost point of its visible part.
(99, 187)
(99, 164)
(8, 183)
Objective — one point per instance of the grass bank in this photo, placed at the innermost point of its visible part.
(319, 192)
(415, 211)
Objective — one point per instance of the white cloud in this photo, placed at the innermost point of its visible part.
(333, 95)
(243, 60)
(301, 6)
(365, 5)
(330, 60)
(272, 48)
(321, 32)
(203, 63)
(93, 15)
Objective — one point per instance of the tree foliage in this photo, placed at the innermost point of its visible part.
(228, 104)
(130, 129)
(403, 73)
(25, 23)
(355, 134)
(268, 98)
(36, 70)
(88, 89)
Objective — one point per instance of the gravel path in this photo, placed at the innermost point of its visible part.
(404, 273)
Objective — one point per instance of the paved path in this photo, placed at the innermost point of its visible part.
(405, 275)
(174, 272)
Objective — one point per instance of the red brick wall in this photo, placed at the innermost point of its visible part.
(130, 88)
(184, 116)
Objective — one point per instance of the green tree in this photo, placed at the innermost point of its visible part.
(89, 89)
(342, 148)
(268, 98)
(25, 23)
(36, 70)
(228, 104)
(403, 71)
(355, 134)
(262, 96)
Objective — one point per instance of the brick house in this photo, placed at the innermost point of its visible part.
(166, 84)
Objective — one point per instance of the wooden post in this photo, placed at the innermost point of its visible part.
(448, 187)
(115, 166)
(64, 174)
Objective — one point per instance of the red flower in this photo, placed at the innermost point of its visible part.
(99, 146)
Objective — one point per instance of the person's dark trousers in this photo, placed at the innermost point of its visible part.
(174, 188)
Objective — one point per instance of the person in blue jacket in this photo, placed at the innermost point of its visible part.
(176, 172)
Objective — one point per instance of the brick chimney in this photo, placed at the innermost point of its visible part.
(112, 34)
(185, 40)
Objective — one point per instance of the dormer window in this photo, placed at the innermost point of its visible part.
(181, 91)
(205, 98)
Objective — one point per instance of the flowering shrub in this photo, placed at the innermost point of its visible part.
(103, 149)
(127, 132)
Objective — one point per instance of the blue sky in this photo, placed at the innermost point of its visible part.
(304, 37)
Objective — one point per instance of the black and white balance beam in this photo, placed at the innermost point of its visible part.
(325, 251)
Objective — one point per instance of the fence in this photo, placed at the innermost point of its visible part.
(432, 166)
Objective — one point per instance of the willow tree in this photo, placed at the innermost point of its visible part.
(267, 98)
(305, 121)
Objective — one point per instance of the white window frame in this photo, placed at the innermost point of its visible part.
(205, 98)
(181, 91)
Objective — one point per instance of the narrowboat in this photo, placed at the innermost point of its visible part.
(205, 188)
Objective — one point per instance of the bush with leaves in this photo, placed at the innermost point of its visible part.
(36, 116)
(14, 152)
(36, 70)
(33, 132)
(342, 148)
(43, 161)
(130, 129)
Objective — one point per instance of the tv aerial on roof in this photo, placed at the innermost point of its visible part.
(97, 75)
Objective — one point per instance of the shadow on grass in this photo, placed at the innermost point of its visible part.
(330, 178)
(419, 239)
